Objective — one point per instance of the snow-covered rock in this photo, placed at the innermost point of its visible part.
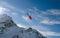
(8, 29)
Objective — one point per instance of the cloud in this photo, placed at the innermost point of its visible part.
(20, 25)
(7, 5)
(53, 11)
(26, 18)
(23, 11)
(10, 7)
(3, 10)
(50, 33)
(51, 16)
(13, 8)
(50, 22)
(15, 14)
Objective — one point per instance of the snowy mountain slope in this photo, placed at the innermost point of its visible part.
(8, 29)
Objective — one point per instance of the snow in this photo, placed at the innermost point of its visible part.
(4, 17)
(14, 31)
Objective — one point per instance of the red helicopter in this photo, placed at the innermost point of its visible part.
(30, 17)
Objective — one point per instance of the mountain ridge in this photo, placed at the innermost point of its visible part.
(8, 29)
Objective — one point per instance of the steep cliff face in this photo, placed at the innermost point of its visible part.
(8, 29)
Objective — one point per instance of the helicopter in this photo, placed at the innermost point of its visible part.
(30, 17)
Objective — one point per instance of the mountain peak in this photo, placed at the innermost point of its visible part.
(4, 17)
(8, 29)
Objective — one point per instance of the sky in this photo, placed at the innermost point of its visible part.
(45, 15)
